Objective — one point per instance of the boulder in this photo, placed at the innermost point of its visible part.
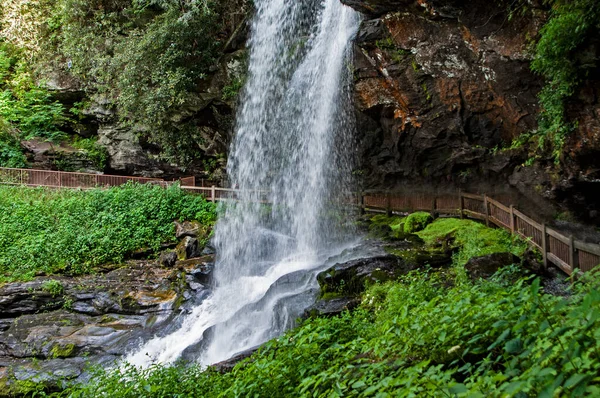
(50, 334)
(200, 268)
(187, 228)
(168, 259)
(350, 278)
(188, 248)
(486, 266)
(228, 365)
(334, 306)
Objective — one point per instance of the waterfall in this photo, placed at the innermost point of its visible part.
(290, 159)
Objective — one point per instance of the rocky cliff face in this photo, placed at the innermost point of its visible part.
(444, 87)
(209, 112)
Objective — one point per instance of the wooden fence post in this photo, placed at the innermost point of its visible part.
(487, 210)
(573, 255)
(212, 194)
(512, 219)
(461, 203)
(361, 202)
(545, 245)
(388, 204)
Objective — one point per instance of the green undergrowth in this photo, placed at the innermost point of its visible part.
(471, 238)
(417, 221)
(73, 231)
(563, 57)
(412, 338)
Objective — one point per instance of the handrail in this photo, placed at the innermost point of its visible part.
(563, 251)
(63, 179)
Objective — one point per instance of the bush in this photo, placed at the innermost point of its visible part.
(473, 239)
(24, 104)
(73, 232)
(11, 154)
(416, 222)
(412, 338)
(559, 58)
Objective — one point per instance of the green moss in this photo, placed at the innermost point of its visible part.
(417, 222)
(331, 295)
(471, 238)
(60, 351)
(5, 389)
(426, 91)
(54, 287)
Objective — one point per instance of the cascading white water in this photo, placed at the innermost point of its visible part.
(292, 147)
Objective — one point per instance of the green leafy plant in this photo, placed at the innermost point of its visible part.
(559, 59)
(73, 231)
(24, 104)
(54, 287)
(231, 90)
(96, 153)
(11, 154)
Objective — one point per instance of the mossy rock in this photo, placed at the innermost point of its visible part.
(416, 222)
(62, 351)
(383, 227)
(423, 257)
(351, 278)
(380, 231)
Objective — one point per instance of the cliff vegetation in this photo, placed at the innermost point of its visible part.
(46, 232)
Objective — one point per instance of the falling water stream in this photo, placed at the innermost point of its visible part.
(290, 159)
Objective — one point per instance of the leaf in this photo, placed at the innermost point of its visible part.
(458, 388)
(575, 380)
(500, 339)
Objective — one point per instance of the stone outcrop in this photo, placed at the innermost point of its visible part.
(486, 266)
(54, 328)
(207, 111)
(440, 85)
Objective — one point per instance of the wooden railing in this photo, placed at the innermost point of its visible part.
(563, 251)
(61, 179)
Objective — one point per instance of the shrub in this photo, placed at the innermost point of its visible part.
(54, 287)
(11, 154)
(412, 338)
(416, 222)
(559, 59)
(25, 105)
(73, 232)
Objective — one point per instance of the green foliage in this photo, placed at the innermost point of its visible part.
(417, 221)
(96, 153)
(54, 287)
(413, 338)
(146, 57)
(560, 59)
(72, 231)
(11, 154)
(231, 90)
(59, 351)
(24, 104)
(472, 238)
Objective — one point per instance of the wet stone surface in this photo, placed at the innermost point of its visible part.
(52, 329)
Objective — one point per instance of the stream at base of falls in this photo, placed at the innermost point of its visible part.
(294, 143)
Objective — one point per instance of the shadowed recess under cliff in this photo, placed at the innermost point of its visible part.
(293, 140)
